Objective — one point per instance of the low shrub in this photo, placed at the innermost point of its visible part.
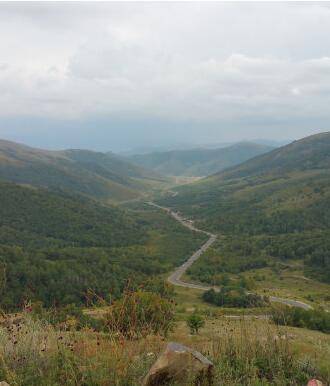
(195, 322)
(139, 313)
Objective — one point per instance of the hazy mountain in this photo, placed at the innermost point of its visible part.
(199, 162)
(99, 175)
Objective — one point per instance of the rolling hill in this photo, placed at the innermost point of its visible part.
(282, 198)
(310, 153)
(100, 175)
(56, 247)
(199, 162)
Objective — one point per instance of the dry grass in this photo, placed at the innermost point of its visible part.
(35, 353)
(251, 352)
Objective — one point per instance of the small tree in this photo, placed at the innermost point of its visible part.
(195, 322)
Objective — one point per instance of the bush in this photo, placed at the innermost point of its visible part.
(140, 313)
(195, 322)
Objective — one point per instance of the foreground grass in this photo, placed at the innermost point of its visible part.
(250, 352)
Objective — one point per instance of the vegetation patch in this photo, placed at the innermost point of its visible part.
(234, 297)
(298, 317)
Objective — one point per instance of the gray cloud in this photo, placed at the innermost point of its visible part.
(201, 65)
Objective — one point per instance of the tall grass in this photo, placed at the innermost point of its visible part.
(34, 352)
(258, 354)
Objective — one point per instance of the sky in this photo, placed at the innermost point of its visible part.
(116, 76)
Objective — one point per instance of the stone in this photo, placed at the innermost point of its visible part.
(314, 382)
(4, 383)
(179, 363)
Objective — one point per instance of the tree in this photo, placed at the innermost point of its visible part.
(195, 322)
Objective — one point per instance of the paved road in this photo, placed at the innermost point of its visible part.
(175, 277)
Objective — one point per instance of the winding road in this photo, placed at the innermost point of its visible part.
(175, 277)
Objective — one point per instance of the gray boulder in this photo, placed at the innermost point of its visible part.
(179, 363)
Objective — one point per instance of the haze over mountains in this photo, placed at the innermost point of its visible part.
(199, 162)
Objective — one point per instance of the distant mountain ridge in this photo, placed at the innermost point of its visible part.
(99, 175)
(199, 162)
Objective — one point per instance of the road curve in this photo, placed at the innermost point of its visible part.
(175, 277)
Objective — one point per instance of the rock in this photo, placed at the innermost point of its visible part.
(4, 383)
(314, 382)
(180, 363)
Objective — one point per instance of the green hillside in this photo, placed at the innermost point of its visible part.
(310, 153)
(55, 246)
(99, 175)
(199, 162)
(279, 201)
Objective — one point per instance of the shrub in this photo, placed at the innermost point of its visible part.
(140, 313)
(195, 322)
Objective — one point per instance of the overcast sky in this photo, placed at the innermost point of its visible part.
(122, 75)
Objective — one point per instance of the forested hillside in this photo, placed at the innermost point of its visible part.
(56, 247)
(199, 162)
(282, 198)
(99, 175)
(310, 153)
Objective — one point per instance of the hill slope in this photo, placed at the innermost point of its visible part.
(310, 153)
(282, 197)
(199, 162)
(55, 247)
(99, 175)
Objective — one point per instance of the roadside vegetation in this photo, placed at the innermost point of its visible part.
(234, 297)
